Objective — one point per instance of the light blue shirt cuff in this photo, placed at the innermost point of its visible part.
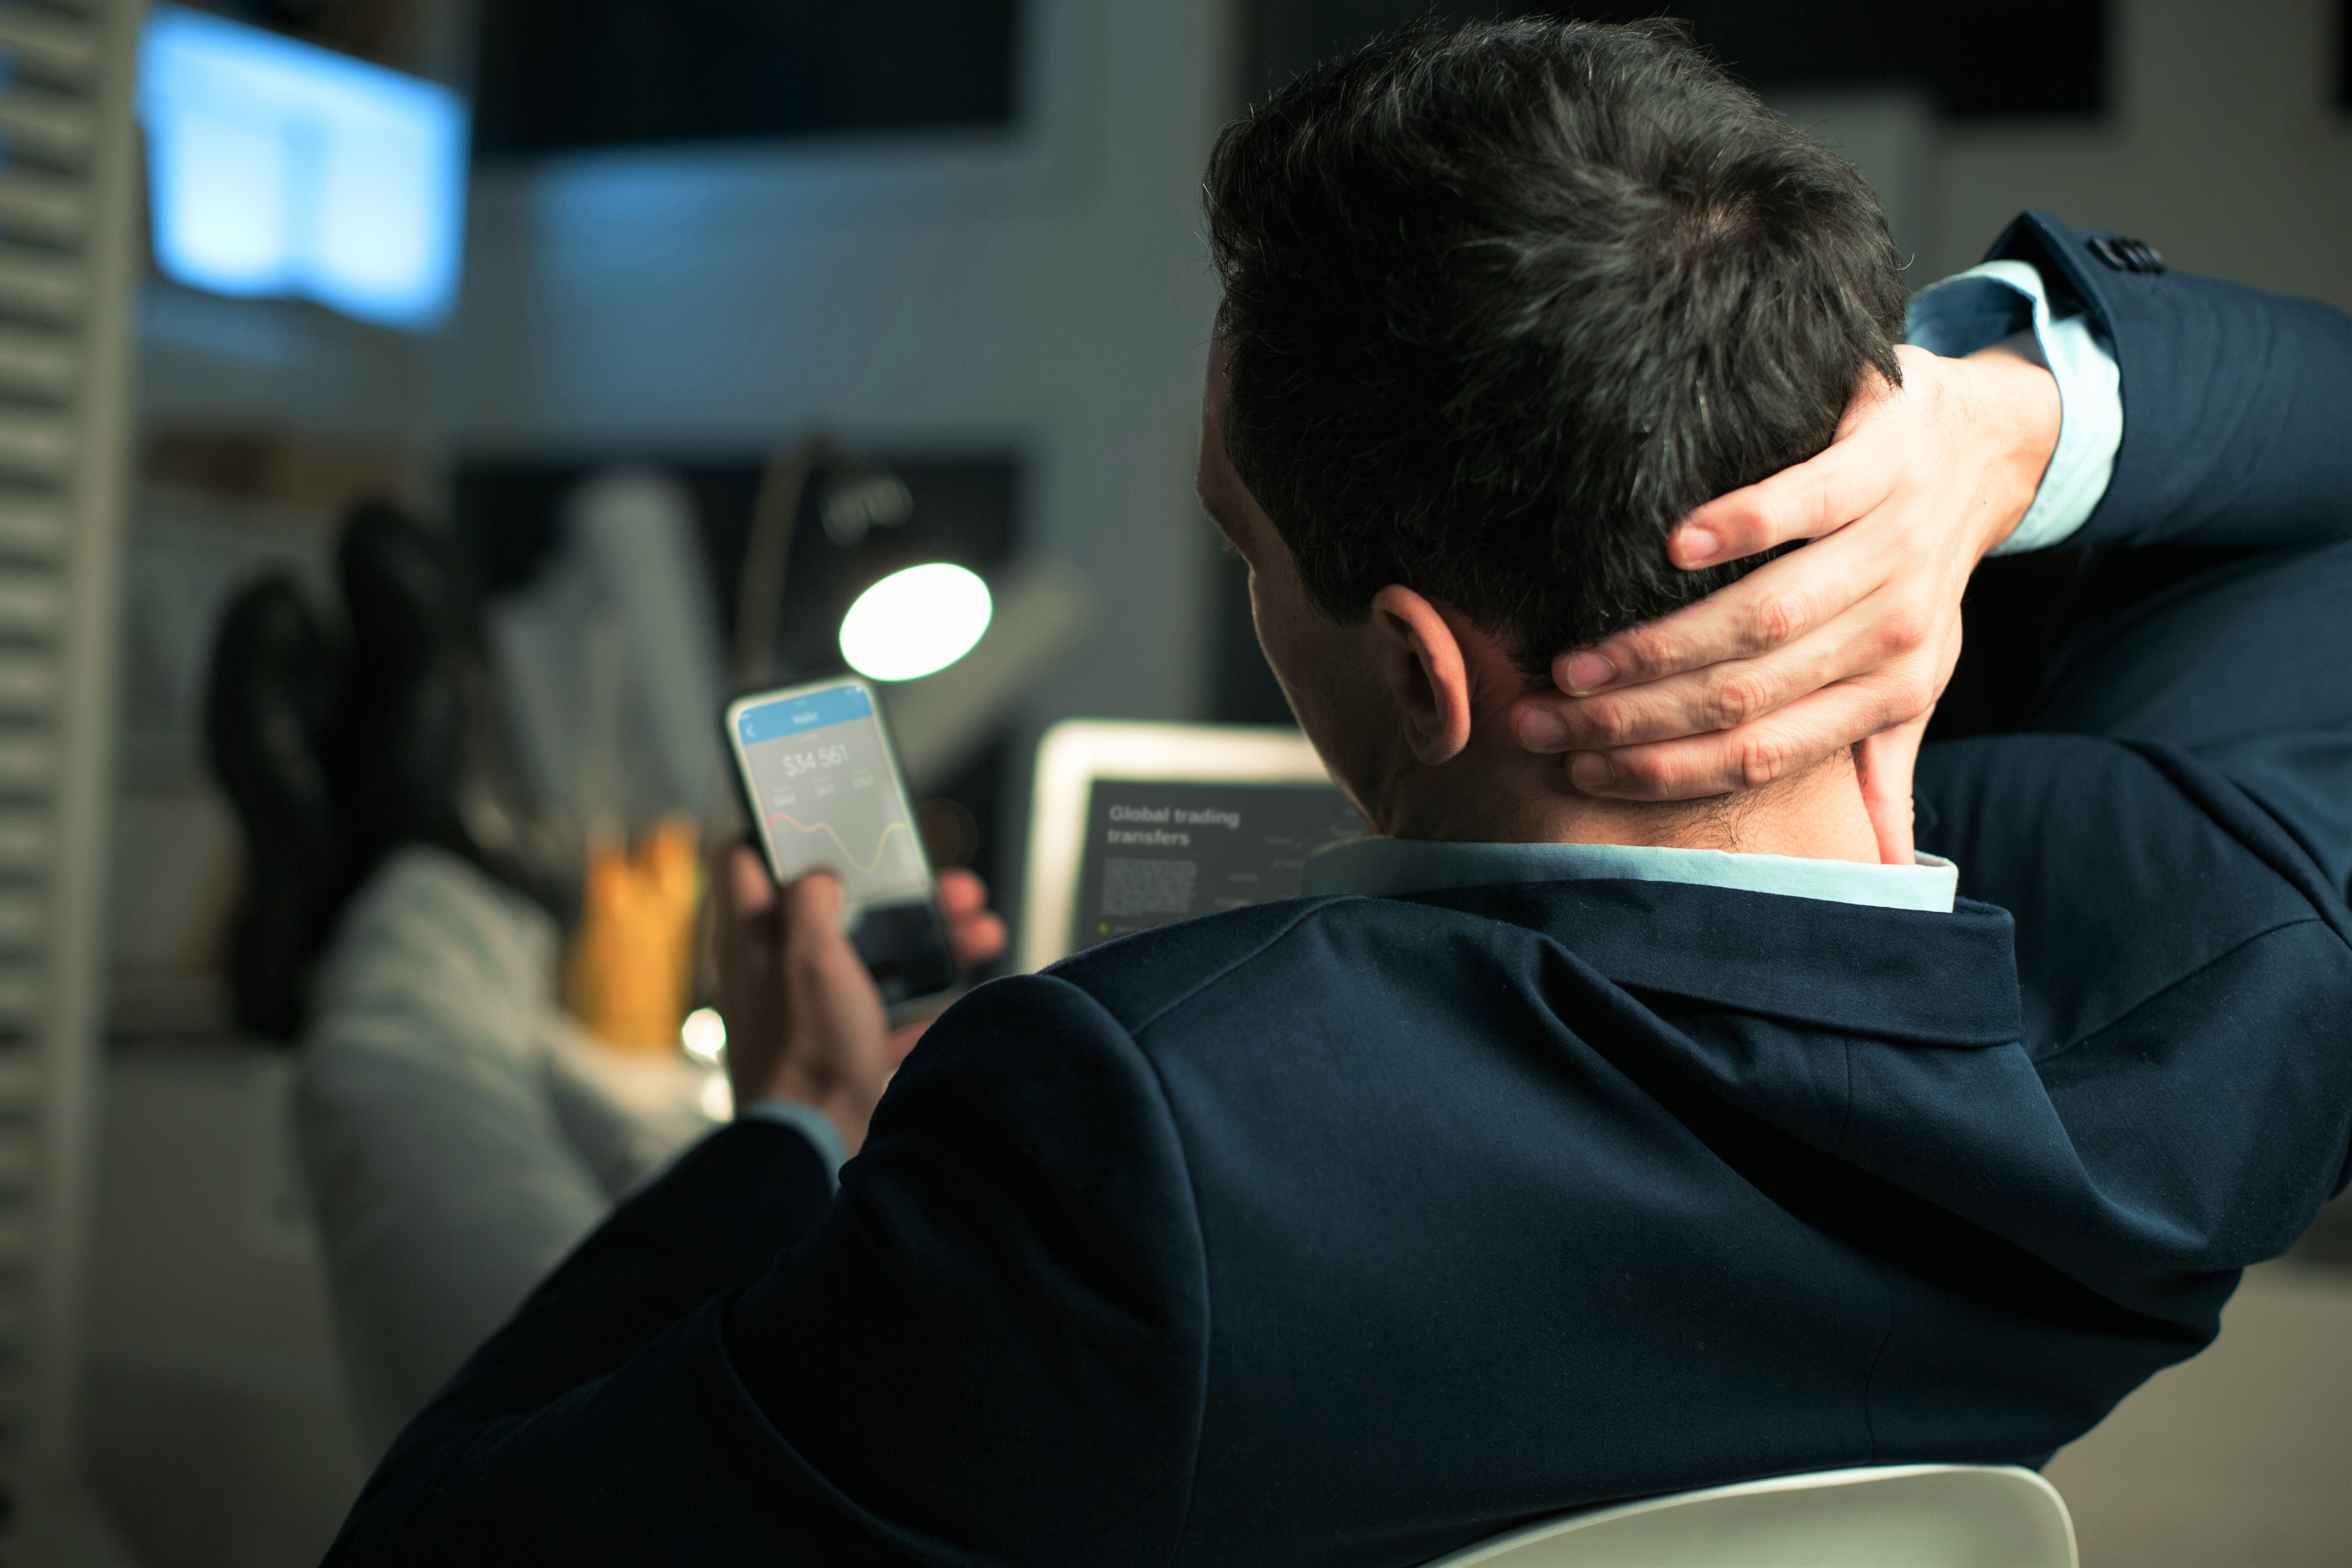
(2000, 300)
(811, 1124)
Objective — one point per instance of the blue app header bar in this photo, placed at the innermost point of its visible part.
(798, 715)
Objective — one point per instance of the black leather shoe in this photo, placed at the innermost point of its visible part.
(424, 756)
(268, 712)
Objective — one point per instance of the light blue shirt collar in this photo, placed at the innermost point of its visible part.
(1393, 867)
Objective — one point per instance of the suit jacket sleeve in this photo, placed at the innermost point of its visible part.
(2235, 401)
(990, 1345)
(2172, 829)
(2213, 614)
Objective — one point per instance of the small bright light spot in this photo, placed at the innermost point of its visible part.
(915, 621)
(704, 1036)
(718, 1100)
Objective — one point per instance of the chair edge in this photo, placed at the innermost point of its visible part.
(1804, 1481)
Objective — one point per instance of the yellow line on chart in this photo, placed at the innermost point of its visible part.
(829, 831)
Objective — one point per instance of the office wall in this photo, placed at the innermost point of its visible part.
(2221, 147)
(2224, 138)
(1046, 294)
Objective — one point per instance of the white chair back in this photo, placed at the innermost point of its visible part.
(1894, 1516)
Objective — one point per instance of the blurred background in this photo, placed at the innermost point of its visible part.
(879, 282)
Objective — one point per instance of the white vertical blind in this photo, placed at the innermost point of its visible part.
(67, 230)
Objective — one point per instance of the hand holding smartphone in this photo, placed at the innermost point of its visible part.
(823, 791)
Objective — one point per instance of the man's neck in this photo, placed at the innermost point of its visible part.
(1487, 797)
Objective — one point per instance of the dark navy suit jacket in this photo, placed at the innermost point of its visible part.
(1351, 1230)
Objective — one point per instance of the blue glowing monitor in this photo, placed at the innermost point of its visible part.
(278, 168)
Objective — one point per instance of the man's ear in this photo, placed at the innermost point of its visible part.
(1421, 659)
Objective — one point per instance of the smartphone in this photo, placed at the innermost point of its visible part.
(822, 785)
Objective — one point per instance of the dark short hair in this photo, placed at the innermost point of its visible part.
(1504, 304)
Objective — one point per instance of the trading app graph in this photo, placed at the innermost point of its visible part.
(826, 796)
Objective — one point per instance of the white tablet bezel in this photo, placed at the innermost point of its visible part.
(1076, 751)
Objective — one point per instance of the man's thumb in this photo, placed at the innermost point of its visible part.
(1885, 763)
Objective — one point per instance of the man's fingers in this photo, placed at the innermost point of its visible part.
(961, 893)
(1768, 608)
(1774, 747)
(1842, 482)
(1886, 764)
(1888, 761)
(750, 892)
(1815, 498)
(813, 918)
(1737, 691)
(816, 894)
(973, 930)
(978, 938)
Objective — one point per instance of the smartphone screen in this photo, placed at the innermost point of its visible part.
(823, 788)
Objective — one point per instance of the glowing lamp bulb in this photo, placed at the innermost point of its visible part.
(704, 1036)
(915, 621)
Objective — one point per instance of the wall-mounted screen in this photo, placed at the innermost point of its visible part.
(278, 168)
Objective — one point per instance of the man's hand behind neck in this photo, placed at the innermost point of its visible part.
(1491, 793)
(1462, 774)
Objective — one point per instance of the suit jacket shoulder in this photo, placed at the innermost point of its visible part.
(1138, 978)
